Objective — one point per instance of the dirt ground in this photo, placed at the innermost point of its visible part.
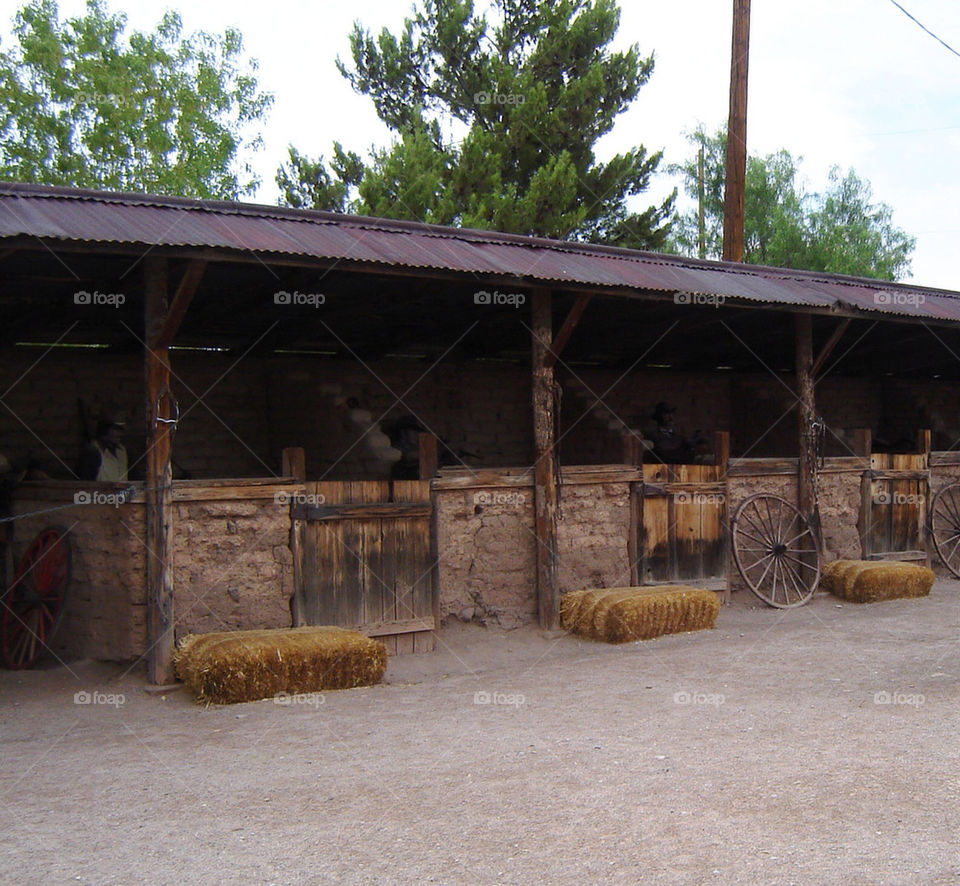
(818, 745)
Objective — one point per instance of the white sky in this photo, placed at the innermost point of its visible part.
(847, 82)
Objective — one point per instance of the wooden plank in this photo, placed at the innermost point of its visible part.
(429, 460)
(379, 511)
(944, 459)
(189, 284)
(294, 463)
(520, 478)
(898, 555)
(545, 461)
(656, 539)
(634, 544)
(410, 491)
(862, 442)
(827, 349)
(237, 493)
(567, 329)
(721, 449)
(159, 481)
(898, 474)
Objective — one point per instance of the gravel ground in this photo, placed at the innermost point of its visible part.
(816, 745)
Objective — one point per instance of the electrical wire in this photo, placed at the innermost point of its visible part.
(925, 28)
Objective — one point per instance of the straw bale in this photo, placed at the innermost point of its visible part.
(870, 581)
(622, 615)
(240, 666)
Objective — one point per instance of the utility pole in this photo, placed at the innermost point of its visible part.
(701, 209)
(737, 135)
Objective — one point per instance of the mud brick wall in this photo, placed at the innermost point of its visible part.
(233, 569)
(486, 545)
(105, 615)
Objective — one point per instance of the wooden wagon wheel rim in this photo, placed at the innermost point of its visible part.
(945, 526)
(33, 605)
(775, 550)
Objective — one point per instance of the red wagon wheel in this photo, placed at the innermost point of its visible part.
(945, 526)
(33, 604)
(776, 552)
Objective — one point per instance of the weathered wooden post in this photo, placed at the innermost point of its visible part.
(159, 479)
(806, 417)
(294, 464)
(429, 458)
(162, 318)
(545, 464)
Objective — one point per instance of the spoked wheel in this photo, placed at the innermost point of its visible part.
(775, 550)
(33, 604)
(945, 526)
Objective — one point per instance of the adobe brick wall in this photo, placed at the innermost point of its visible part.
(233, 569)
(487, 549)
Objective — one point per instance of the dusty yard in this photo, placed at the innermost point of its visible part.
(811, 746)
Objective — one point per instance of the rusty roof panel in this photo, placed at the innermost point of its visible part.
(70, 214)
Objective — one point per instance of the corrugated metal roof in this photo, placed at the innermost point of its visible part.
(54, 213)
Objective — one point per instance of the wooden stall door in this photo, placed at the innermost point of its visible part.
(893, 512)
(683, 526)
(366, 560)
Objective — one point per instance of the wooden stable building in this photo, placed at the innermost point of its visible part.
(258, 353)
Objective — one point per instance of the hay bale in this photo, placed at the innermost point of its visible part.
(239, 666)
(622, 615)
(870, 581)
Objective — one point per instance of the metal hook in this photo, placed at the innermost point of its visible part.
(166, 393)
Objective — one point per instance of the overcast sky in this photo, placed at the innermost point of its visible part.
(847, 82)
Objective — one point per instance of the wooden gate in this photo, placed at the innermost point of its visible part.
(893, 512)
(364, 560)
(683, 523)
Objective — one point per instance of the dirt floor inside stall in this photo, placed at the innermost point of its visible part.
(817, 745)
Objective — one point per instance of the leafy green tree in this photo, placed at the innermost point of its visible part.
(495, 124)
(82, 103)
(839, 230)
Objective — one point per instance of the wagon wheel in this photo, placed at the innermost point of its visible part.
(945, 526)
(775, 550)
(32, 606)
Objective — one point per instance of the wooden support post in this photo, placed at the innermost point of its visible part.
(924, 440)
(159, 480)
(806, 414)
(862, 442)
(721, 448)
(429, 456)
(545, 465)
(295, 465)
(737, 135)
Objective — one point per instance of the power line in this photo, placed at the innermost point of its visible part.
(925, 28)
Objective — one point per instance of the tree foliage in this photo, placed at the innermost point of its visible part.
(840, 229)
(528, 94)
(83, 103)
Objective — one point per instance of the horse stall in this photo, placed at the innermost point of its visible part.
(274, 366)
